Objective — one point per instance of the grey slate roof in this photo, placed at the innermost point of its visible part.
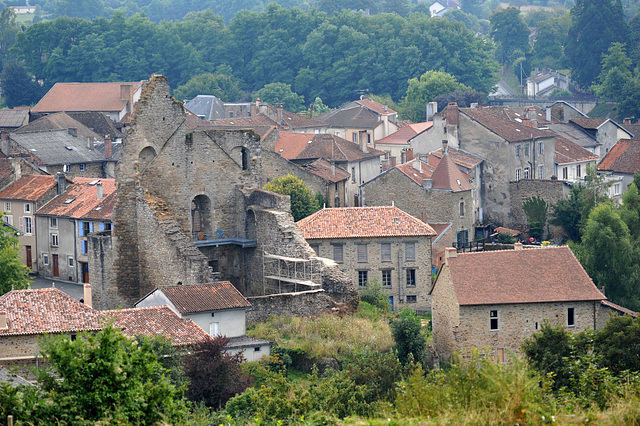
(14, 117)
(574, 134)
(207, 107)
(57, 147)
(99, 123)
(58, 121)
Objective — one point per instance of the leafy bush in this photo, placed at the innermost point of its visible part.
(506, 238)
(375, 295)
(406, 329)
(303, 202)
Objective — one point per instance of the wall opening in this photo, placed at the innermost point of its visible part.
(146, 156)
(201, 223)
(245, 159)
(250, 227)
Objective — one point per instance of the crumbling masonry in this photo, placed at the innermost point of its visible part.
(189, 211)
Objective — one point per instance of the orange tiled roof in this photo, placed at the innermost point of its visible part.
(409, 169)
(624, 157)
(205, 297)
(570, 152)
(551, 274)
(404, 134)
(500, 229)
(447, 176)
(29, 188)
(80, 200)
(362, 222)
(84, 97)
(46, 310)
(376, 107)
(461, 158)
(158, 320)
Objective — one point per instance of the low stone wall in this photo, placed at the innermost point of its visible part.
(549, 190)
(303, 304)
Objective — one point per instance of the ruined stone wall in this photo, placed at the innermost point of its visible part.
(549, 190)
(445, 313)
(304, 304)
(101, 275)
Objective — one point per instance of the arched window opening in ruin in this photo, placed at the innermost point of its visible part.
(146, 156)
(201, 223)
(245, 159)
(250, 226)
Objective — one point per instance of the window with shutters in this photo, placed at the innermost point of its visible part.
(385, 252)
(338, 253)
(362, 252)
(410, 252)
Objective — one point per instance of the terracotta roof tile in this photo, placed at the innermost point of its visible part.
(500, 229)
(323, 169)
(551, 274)
(570, 152)
(297, 146)
(403, 135)
(509, 130)
(84, 97)
(29, 188)
(205, 297)
(158, 321)
(376, 107)
(46, 310)
(80, 200)
(619, 308)
(587, 122)
(417, 170)
(461, 158)
(362, 222)
(624, 157)
(447, 176)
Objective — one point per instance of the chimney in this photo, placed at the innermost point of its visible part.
(417, 164)
(126, 95)
(445, 146)
(363, 144)
(517, 246)
(432, 109)
(526, 122)
(99, 190)
(4, 137)
(73, 131)
(3, 321)
(449, 253)
(333, 168)
(427, 184)
(409, 154)
(89, 142)
(627, 120)
(87, 295)
(311, 110)
(17, 167)
(61, 182)
(279, 111)
(548, 114)
(108, 148)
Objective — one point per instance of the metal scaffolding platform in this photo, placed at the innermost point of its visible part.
(287, 270)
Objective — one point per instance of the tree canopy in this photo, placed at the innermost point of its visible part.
(425, 89)
(14, 275)
(510, 33)
(303, 203)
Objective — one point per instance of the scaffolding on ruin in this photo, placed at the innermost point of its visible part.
(289, 270)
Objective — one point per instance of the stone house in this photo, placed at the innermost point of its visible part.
(542, 83)
(494, 300)
(189, 211)
(363, 163)
(28, 315)
(217, 307)
(362, 121)
(64, 223)
(115, 100)
(604, 132)
(440, 7)
(433, 191)
(572, 160)
(376, 243)
(398, 143)
(20, 201)
(621, 164)
(510, 150)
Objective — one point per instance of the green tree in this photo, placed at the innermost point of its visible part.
(281, 93)
(18, 89)
(108, 378)
(536, 210)
(630, 212)
(80, 8)
(215, 376)
(595, 24)
(606, 253)
(14, 275)
(463, 99)
(619, 344)
(375, 295)
(424, 90)
(303, 203)
(406, 330)
(549, 351)
(615, 73)
(551, 36)
(8, 31)
(225, 87)
(510, 33)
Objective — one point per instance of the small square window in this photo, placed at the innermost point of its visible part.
(7, 206)
(385, 252)
(412, 299)
(386, 278)
(493, 320)
(411, 277)
(27, 207)
(71, 261)
(363, 277)
(256, 349)
(45, 259)
(82, 167)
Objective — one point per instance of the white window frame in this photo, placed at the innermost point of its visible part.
(565, 173)
(7, 206)
(616, 188)
(411, 277)
(53, 222)
(527, 173)
(8, 219)
(518, 151)
(518, 172)
(28, 225)
(494, 316)
(540, 172)
(27, 207)
(82, 167)
(45, 258)
(70, 261)
(66, 168)
(55, 241)
(387, 278)
(540, 148)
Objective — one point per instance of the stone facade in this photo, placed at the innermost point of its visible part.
(551, 191)
(177, 187)
(407, 281)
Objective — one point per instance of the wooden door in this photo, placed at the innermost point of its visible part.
(28, 257)
(56, 266)
(84, 266)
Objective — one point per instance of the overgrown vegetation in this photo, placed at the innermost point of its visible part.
(303, 202)
(14, 275)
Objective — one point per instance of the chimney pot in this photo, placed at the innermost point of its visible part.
(417, 164)
(89, 142)
(87, 295)
(99, 190)
(518, 246)
(61, 182)
(108, 147)
(450, 252)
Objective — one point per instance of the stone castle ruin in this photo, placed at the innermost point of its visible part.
(189, 210)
